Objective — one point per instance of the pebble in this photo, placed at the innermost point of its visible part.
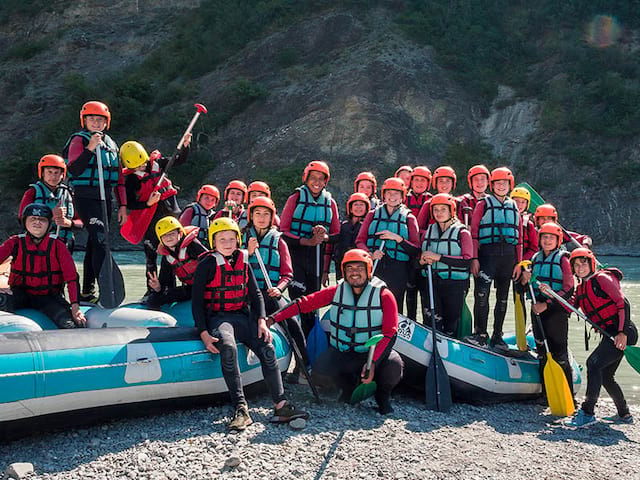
(19, 470)
(232, 462)
(298, 424)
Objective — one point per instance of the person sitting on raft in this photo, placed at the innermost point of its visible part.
(40, 267)
(393, 223)
(361, 307)
(551, 266)
(51, 191)
(600, 297)
(180, 250)
(448, 248)
(228, 307)
(143, 174)
(570, 240)
(200, 213)
(235, 195)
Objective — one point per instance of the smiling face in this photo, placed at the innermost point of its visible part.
(444, 184)
(366, 187)
(541, 220)
(208, 202)
(442, 213)
(261, 217)
(316, 181)
(171, 238)
(95, 123)
(419, 184)
(479, 183)
(355, 274)
(255, 194)
(37, 226)
(52, 176)
(392, 198)
(358, 209)
(225, 242)
(501, 187)
(405, 176)
(581, 267)
(235, 195)
(548, 242)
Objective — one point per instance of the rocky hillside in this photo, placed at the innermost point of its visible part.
(348, 84)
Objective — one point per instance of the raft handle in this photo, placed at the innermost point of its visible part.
(476, 358)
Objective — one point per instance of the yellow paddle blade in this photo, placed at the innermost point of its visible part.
(558, 393)
(521, 337)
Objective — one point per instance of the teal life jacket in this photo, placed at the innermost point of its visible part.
(110, 164)
(62, 196)
(242, 219)
(201, 219)
(445, 243)
(396, 223)
(353, 323)
(310, 212)
(547, 270)
(268, 248)
(500, 222)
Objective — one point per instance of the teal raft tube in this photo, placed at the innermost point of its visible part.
(50, 374)
(477, 375)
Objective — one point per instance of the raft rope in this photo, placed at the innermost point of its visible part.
(140, 361)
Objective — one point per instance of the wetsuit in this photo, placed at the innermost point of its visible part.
(347, 240)
(416, 282)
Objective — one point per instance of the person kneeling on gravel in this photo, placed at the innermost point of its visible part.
(228, 308)
(361, 307)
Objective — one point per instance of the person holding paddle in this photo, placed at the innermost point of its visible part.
(235, 195)
(551, 266)
(600, 297)
(81, 155)
(180, 250)
(361, 307)
(228, 307)
(448, 248)
(148, 188)
(51, 191)
(41, 265)
(200, 213)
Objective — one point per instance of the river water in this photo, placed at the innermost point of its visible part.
(132, 266)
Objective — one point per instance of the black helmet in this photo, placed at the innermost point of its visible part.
(37, 210)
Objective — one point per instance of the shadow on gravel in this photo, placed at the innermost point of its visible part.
(599, 434)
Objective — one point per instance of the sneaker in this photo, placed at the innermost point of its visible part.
(478, 339)
(384, 403)
(581, 420)
(498, 343)
(627, 419)
(286, 413)
(241, 419)
(88, 298)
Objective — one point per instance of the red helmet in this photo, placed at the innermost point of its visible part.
(95, 108)
(237, 185)
(358, 255)
(209, 190)
(551, 228)
(316, 166)
(477, 170)
(265, 202)
(444, 172)
(405, 168)
(546, 210)
(394, 183)
(52, 160)
(502, 173)
(258, 186)
(422, 171)
(583, 252)
(365, 176)
(443, 199)
(357, 197)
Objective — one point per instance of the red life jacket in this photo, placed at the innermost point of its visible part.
(184, 266)
(36, 268)
(414, 202)
(595, 303)
(149, 181)
(228, 289)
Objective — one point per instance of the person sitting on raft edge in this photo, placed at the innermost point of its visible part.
(361, 307)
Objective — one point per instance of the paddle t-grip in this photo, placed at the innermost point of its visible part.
(200, 109)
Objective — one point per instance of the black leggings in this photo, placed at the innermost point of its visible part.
(90, 212)
(303, 260)
(169, 295)
(230, 328)
(601, 369)
(53, 306)
(271, 305)
(395, 274)
(496, 269)
(448, 297)
(416, 282)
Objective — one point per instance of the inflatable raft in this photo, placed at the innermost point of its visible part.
(46, 374)
(477, 375)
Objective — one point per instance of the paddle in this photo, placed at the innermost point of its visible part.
(518, 302)
(536, 201)
(375, 264)
(110, 281)
(436, 384)
(559, 395)
(465, 324)
(134, 228)
(317, 340)
(294, 346)
(365, 390)
(631, 353)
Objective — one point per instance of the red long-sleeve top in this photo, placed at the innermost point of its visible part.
(322, 298)
(411, 245)
(478, 212)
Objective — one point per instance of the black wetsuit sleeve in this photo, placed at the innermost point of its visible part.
(204, 273)
(195, 249)
(182, 157)
(132, 185)
(255, 297)
(456, 262)
(166, 277)
(411, 249)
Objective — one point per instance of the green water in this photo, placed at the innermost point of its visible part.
(133, 271)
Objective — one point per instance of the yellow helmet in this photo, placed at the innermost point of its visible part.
(222, 224)
(133, 154)
(521, 192)
(166, 225)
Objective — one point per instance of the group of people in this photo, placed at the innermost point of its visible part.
(235, 257)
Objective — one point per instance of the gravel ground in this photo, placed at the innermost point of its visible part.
(508, 441)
